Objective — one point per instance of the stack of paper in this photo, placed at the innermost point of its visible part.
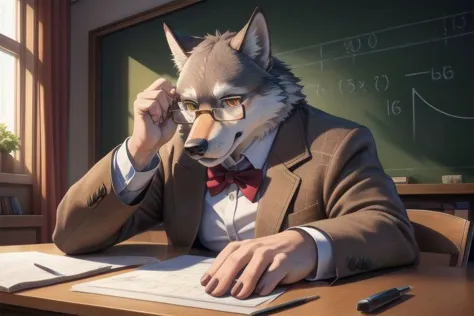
(175, 281)
(18, 270)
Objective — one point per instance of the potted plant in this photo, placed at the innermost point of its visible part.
(9, 142)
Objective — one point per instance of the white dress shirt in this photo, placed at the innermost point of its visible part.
(227, 216)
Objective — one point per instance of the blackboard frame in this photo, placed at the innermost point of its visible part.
(94, 71)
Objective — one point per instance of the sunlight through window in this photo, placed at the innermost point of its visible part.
(7, 89)
(8, 62)
(8, 16)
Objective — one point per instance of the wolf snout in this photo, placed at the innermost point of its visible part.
(196, 146)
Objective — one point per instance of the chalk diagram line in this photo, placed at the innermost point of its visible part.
(415, 94)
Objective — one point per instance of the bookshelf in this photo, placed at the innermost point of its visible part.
(13, 178)
(21, 221)
(445, 197)
(20, 229)
(436, 189)
(25, 228)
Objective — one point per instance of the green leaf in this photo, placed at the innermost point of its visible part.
(8, 141)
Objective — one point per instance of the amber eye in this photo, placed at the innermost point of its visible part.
(190, 106)
(232, 101)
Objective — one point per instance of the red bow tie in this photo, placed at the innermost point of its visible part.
(248, 181)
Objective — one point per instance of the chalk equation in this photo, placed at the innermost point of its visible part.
(394, 107)
(378, 83)
(441, 73)
(393, 87)
(444, 28)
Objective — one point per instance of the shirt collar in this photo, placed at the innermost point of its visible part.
(256, 153)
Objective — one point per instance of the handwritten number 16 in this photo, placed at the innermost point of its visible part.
(393, 108)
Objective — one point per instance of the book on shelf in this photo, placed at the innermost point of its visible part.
(9, 205)
(401, 180)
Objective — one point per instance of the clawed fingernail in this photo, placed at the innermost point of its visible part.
(205, 279)
(236, 288)
(211, 286)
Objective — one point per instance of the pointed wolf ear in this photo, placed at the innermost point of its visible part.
(254, 39)
(180, 45)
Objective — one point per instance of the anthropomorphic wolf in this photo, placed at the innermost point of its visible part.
(246, 168)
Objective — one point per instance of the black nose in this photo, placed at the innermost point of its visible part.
(196, 147)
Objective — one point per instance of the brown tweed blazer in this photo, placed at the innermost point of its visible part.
(323, 172)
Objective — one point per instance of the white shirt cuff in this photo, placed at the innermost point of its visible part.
(326, 268)
(125, 176)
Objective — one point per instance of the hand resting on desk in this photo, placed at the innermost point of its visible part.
(283, 258)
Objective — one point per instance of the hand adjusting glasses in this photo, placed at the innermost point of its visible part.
(186, 112)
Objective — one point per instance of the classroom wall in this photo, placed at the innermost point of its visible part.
(87, 15)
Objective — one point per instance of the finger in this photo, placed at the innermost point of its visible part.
(276, 272)
(246, 283)
(153, 95)
(143, 106)
(229, 270)
(156, 119)
(164, 101)
(155, 110)
(230, 248)
(149, 108)
(161, 84)
(174, 94)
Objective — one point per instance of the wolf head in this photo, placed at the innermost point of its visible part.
(227, 70)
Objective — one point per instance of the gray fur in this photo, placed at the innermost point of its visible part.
(221, 63)
(272, 93)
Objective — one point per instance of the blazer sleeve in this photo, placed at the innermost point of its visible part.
(366, 223)
(91, 217)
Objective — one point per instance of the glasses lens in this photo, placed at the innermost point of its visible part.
(229, 113)
(183, 116)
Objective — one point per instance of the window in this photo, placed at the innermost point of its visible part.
(17, 76)
(9, 61)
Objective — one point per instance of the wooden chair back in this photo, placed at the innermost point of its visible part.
(442, 233)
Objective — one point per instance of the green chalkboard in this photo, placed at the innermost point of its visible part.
(404, 68)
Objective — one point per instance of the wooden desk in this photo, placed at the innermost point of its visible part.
(437, 291)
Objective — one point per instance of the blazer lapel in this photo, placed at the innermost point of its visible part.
(189, 178)
(280, 184)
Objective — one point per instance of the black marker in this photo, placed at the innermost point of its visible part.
(378, 300)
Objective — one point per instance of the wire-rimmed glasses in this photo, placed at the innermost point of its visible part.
(180, 115)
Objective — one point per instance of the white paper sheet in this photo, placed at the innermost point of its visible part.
(174, 281)
(18, 272)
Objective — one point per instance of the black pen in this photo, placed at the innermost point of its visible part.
(283, 306)
(380, 299)
(42, 267)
